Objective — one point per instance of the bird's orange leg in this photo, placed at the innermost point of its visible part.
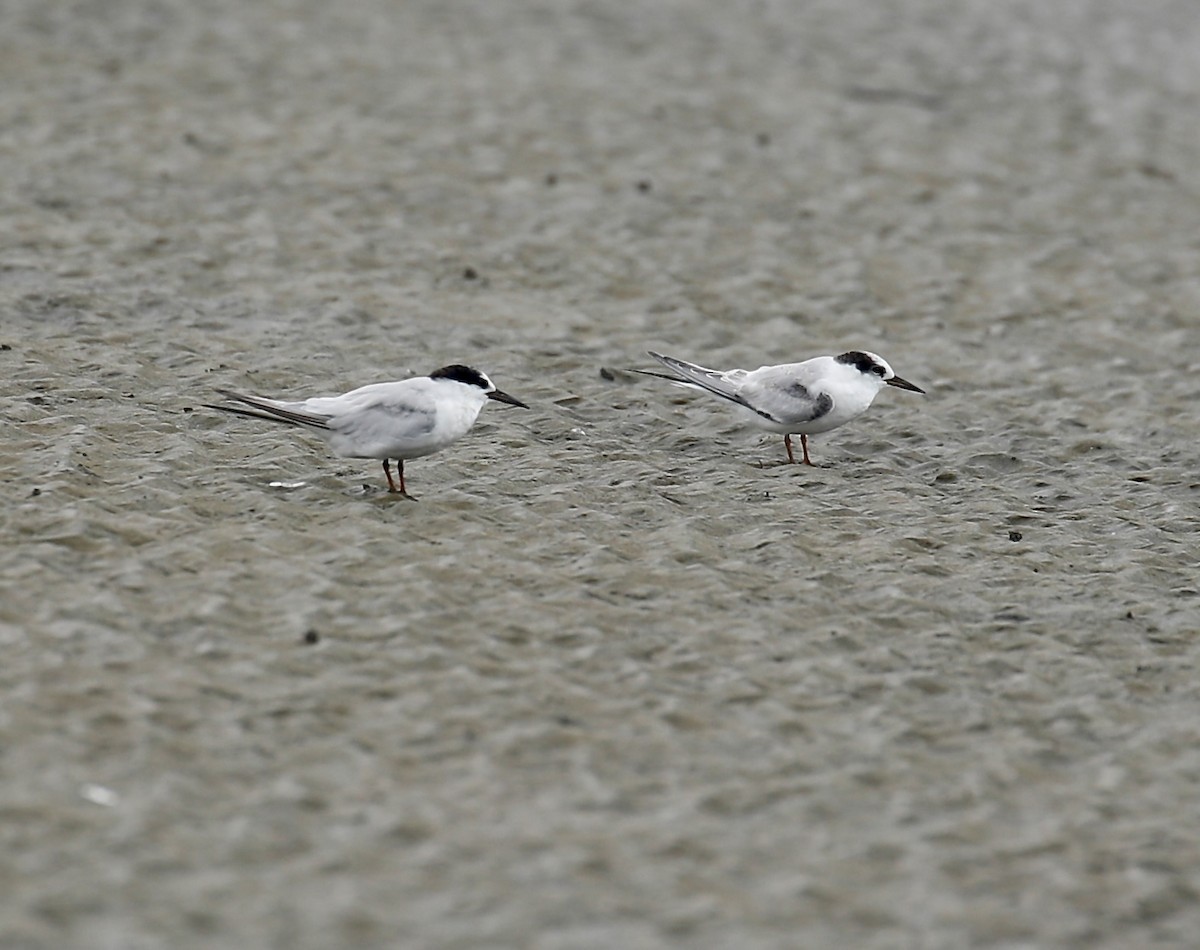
(387, 470)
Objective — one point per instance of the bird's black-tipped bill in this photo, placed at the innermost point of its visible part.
(905, 384)
(505, 397)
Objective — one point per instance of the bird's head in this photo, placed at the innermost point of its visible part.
(469, 376)
(875, 367)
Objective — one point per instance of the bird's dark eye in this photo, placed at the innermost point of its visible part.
(878, 370)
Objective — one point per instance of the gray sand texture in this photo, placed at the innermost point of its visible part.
(618, 678)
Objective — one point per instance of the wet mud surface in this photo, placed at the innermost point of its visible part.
(617, 678)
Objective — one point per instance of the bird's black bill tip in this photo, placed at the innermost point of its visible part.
(506, 398)
(905, 384)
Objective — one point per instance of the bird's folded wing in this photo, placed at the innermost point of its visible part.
(386, 425)
(786, 400)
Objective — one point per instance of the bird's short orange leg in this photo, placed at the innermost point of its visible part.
(787, 444)
(387, 470)
(804, 446)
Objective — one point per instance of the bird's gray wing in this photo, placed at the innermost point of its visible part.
(391, 418)
(727, 385)
(787, 395)
(272, 410)
(383, 420)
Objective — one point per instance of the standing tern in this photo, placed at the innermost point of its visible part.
(400, 420)
(806, 398)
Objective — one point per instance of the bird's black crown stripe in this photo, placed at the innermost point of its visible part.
(461, 374)
(861, 362)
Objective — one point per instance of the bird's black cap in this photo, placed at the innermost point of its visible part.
(863, 362)
(462, 374)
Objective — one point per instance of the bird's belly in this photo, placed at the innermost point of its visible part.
(839, 415)
(830, 420)
(384, 448)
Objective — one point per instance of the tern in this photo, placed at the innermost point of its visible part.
(396, 421)
(794, 398)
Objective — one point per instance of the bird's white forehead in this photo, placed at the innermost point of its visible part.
(881, 361)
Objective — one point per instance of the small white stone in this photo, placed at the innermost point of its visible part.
(99, 795)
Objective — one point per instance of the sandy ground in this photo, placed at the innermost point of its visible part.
(617, 679)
